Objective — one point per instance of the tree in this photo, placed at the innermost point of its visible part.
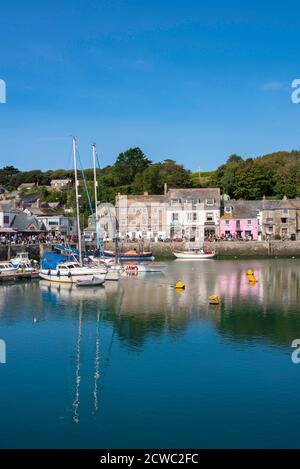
(288, 180)
(234, 159)
(6, 173)
(128, 164)
(155, 176)
(252, 181)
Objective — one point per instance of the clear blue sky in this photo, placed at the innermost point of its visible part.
(190, 80)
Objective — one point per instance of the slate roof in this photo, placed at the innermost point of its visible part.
(44, 212)
(249, 208)
(143, 198)
(22, 222)
(26, 185)
(196, 195)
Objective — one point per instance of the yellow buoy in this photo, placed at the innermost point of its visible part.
(180, 285)
(214, 299)
(252, 279)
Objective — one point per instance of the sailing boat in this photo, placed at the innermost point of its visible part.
(113, 266)
(64, 267)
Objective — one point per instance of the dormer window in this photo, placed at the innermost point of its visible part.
(175, 201)
(228, 209)
(210, 202)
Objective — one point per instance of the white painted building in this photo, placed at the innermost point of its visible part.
(106, 223)
(193, 214)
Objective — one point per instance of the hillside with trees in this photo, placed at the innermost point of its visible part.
(273, 175)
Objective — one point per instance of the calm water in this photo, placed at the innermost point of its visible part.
(136, 364)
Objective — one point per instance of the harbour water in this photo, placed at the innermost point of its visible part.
(138, 364)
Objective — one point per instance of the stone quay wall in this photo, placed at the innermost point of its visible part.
(222, 248)
(161, 249)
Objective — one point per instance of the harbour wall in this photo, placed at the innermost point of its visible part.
(161, 249)
(225, 248)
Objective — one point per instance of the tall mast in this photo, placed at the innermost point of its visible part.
(95, 187)
(77, 200)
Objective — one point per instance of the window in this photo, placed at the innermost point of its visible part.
(6, 219)
(175, 216)
(210, 201)
(123, 221)
(228, 209)
(144, 221)
(175, 201)
(269, 220)
(249, 222)
(283, 220)
(285, 211)
(209, 216)
(226, 222)
(195, 216)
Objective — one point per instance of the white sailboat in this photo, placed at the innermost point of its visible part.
(196, 253)
(64, 268)
(113, 268)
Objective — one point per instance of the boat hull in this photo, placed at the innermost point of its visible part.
(194, 256)
(52, 276)
(130, 257)
(143, 268)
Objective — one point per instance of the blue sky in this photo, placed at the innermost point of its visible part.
(185, 79)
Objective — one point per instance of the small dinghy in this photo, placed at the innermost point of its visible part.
(90, 282)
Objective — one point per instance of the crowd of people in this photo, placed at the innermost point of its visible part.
(35, 238)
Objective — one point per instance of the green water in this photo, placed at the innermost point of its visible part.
(137, 364)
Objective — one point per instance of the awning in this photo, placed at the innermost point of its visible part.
(7, 230)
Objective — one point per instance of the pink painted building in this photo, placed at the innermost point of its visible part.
(240, 220)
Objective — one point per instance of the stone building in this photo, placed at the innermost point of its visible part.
(280, 219)
(141, 216)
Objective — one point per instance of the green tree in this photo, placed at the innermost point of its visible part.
(6, 174)
(288, 180)
(128, 165)
(252, 181)
(155, 176)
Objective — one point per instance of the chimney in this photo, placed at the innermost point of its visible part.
(165, 188)
(38, 203)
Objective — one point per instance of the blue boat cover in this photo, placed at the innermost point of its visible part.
(62, 247)
(51, 259)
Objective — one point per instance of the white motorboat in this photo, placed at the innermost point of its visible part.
(22, 262)
(7, 267)
(195, 254)
(72, 272)
(90, 283)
